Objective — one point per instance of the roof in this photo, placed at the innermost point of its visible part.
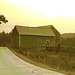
(50, 26)
(46, 27)
(39, 31)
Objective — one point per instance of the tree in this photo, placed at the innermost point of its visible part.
(3, 19)
(5, 38)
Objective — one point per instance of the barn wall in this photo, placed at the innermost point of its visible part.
(57, 37)
(15, 38)
(34, 40)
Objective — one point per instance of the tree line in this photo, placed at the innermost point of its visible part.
(5, 38)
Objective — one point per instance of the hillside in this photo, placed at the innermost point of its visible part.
(68, 40)
(68, 35)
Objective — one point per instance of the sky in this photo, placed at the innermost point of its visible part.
(59, 13)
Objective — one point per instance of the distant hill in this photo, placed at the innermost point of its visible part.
(68, 35)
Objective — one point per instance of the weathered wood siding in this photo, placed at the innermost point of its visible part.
(15, 38)
(57, 36)
(34, 40)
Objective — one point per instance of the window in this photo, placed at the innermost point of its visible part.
(39, 41)
(47, 41)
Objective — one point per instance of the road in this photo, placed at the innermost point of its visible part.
(10, 64)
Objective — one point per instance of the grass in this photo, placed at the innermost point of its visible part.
(40, 63)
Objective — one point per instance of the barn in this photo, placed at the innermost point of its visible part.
(24, 36)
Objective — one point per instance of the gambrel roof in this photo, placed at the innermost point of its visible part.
(38, 31)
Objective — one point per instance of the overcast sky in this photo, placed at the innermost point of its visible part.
(59, 13)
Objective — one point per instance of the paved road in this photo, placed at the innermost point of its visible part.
(10, 64)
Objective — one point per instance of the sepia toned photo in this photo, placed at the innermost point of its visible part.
(37, 37)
